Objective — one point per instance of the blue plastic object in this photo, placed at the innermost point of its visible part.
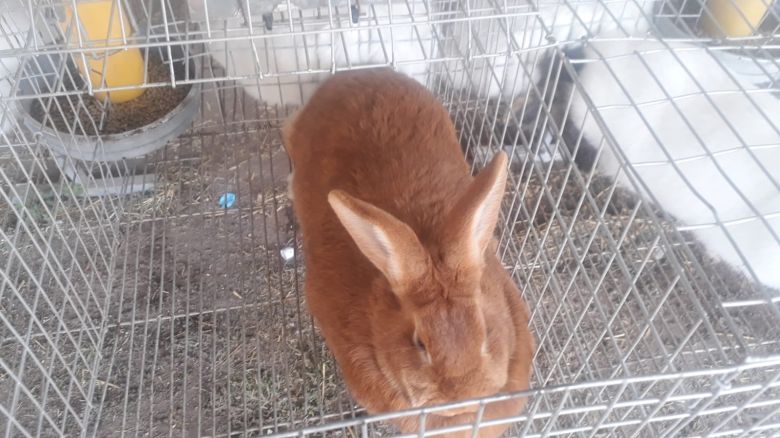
(227, 200)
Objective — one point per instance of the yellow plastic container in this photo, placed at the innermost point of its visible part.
(734, 18)
(101, 28)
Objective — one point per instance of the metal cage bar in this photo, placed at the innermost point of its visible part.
(135, 301)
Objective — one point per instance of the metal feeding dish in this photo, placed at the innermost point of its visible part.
(103, 163)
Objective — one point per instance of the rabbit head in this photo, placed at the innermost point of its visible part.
(443, 342)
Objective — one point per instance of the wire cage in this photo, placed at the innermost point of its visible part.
(158, 292)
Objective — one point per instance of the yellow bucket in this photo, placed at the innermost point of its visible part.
(733, 18)
(102, 29)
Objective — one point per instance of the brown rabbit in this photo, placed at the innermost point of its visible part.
(401, 272)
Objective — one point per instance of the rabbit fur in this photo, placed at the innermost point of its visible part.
(280, 57)
(401, 272)
(741, 128)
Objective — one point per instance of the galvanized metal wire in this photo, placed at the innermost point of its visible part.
(134, 303)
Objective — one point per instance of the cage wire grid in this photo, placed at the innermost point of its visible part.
(152, 310)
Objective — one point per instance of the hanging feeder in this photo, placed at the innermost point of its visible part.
(104, 26)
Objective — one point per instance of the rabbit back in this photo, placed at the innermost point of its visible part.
(401, 152)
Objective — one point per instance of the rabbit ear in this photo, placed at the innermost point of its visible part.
(470, 225)
(387, 242)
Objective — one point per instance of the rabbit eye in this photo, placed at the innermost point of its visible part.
(423, 349)
(418, 343)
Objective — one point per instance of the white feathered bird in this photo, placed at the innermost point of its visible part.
(702, 139)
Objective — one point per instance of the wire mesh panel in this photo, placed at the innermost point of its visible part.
(151, 275)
